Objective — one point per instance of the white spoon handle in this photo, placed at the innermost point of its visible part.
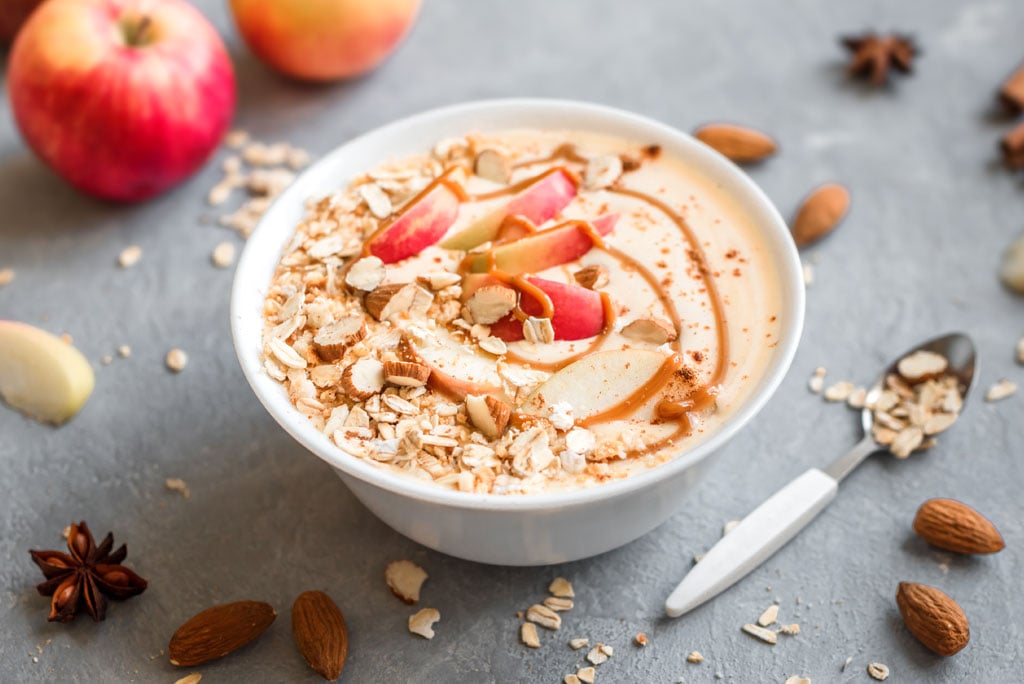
(763, 532)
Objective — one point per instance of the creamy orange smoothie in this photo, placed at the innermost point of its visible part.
(522, 311)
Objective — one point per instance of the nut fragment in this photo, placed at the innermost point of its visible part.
(570, 679)
(406, 373)
(363, 379)
(817, 380)
(404, 579)
(388, 301)
(592, 277)
(528, 635)
(739, 143)
(176, 360)
(640, 639)
(956, 527)
(653, 330)
(333, 339)
(492, 165)
(422, 622)
(438, 280)
(577, 644)
(1001, 390)
(543, 616)
(770, 614)
(907, 440)
(6, 276)
(934, 618)
(491, 303)
(488, 414)
(839, 391)
(586, 675)
(922, 365)
(176, 484)
(695, 657)
(129, 256)
(820, 213)
(561, 587)
(366, 274)
(602, 171)
(789, 630)
(376, 199)
(190, 678)
(797, 679)
(765, 635)
(223, 255)
(598, 654)
(1011, 271)
(878, 671)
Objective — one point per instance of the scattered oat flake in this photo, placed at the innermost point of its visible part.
(846, 664)
(559, 604)
(695, 657)
(236, 138)
(857, 398)
(641, 639)
(770, 614)
(176, 484)
(190, 678)
(543, 616)
(66, 532)
(765, 635)
(6, 276)
(839, 391)
(571, 679)
(562, 588)
(817, 381)
(129, 256)
(176, 360)
(223, 255)
(1000, 390)
(808, 275)
(586, 674)
(596, 656)
(729, 527)
(1020, 345)
(422, 622)
(107, 359)
(878, 671)
(790, 630)
(404, 579)
(528, 634)
(577, 644)
(797, 679)
(124, 351)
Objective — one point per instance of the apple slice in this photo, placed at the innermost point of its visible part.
(537, 203)
(421, 223)
(616, 381)
(535, 252)
(41, 375)
(578, 312)
(456, 369)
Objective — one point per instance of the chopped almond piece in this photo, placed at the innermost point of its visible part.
(577, 644)
(562, 588)
(395, 299)
(1000, 390)
(422, 622)
(488, 414)
(439, 279)
(640, 639)
(491, 303)
(363, 379)
(653, 330)
(586, 675)
(405, 579)
(592, 277)
(770, 614)
(695, 657)
(333, 339)
(493, 166)
(366, 274)
(406, 373)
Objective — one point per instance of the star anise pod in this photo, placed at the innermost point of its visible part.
(874, 55)
(85, 578)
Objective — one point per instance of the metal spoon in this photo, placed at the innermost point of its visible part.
(769, 526)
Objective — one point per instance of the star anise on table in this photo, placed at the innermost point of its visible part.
(83, 579)
(874, 55)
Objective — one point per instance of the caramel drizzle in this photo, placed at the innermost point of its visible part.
(639, 397)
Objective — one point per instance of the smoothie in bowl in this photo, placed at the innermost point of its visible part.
(522, 311)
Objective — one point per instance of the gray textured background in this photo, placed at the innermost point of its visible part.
(917, 256)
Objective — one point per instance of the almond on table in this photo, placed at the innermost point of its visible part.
(520, 311)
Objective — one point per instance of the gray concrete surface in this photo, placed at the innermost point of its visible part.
(917, 255)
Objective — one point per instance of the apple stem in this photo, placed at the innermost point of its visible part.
(135, 34)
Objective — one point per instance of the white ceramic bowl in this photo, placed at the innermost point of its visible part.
(532, 529)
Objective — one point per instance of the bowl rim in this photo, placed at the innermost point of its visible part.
(244, 290)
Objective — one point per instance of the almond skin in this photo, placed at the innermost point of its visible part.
(218, 631)
(320, 633)
(957, 527)
(934, 618)
(820, 213)
(740, 144)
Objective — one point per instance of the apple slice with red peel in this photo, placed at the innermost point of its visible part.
(41, 375)
(420, 224)
(538, 202)
(546, 248)
(456, 369)
(603, 382)
(578, 312)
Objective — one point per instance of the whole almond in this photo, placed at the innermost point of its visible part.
(955, 526)
(320, 633)
(934, 618)
(218, 631)
(738, 143)
(820, 213)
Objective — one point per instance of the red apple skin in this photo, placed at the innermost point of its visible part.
(578, 312)
(117, 121)
(544, 249)
(420, 225)
(324, 40)
(13, 14)
(536, 203)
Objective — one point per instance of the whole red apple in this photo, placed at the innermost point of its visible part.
(324, 40)
(13, 14)
(122, 98)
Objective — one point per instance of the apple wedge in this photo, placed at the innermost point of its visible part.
(456, 369)
(420, 224)
(578, 312)
(604, 383)
(41, 375)
(535, 252)
(537, 203)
